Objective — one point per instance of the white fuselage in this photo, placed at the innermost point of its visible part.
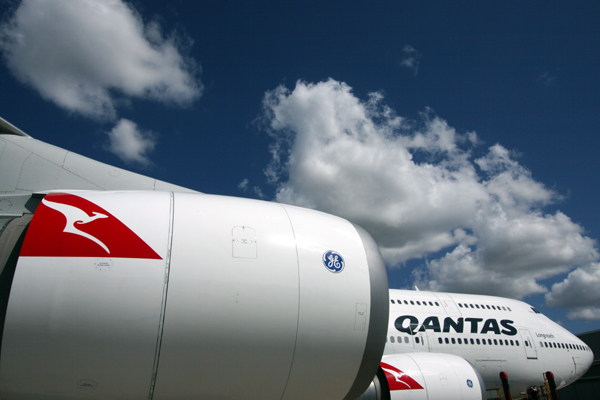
(494, 334)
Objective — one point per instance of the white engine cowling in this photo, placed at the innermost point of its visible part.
(425, 376)
(129, 295)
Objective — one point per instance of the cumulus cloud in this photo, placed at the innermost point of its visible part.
(412, 58)
(85, 55)
(579, 292)
(130, 144)
(416, 186)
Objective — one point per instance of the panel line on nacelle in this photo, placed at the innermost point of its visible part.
(163, 305)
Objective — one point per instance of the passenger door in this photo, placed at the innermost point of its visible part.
(529, 344)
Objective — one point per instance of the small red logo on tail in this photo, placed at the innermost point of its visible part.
(65, 225)
(398, 380)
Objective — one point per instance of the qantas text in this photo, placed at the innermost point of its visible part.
(410, 324)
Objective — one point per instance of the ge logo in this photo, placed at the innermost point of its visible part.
(469, 383)
(333, 261)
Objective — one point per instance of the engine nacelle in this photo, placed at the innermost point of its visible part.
(425, 376)
(129, 295)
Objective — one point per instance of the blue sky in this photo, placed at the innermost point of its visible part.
(462, 135)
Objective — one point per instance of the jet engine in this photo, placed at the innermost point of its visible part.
(163, 295)
(426, 376)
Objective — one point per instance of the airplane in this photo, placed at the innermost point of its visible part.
(117, 285)
(448, 345)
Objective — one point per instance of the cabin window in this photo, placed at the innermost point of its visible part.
(440, 340)
(459, 341)
(446, 340)
(405, 339)
(437, 304)
(477, 341)
(418, 303)
(405, 302)
(412, 302)
(472, 342)
(393, 302)
(392, 339)
(460, 305)
(453, 341)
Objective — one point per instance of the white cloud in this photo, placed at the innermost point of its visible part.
(412, 58)
(585, 314)
(416, 188)
(243, 185)
(511, 256)
(546, 79)
(579, 292)
(83, 55)
(258, 192)
(130, 144)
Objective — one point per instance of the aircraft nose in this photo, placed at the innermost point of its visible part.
(588, 361)
(585, 361)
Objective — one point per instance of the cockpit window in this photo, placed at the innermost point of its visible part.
(535, 311)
